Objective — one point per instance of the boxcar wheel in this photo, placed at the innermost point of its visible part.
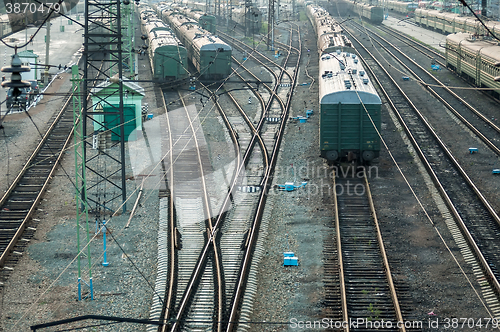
(368, 155)
(332, 155)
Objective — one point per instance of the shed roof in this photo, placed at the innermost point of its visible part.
(127, 84)
(27, 54)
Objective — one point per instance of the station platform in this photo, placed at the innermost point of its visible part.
(435, 39)
(65, 42)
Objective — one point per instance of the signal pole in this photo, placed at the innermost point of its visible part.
(47, 45)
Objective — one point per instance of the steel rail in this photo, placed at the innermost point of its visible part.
(252, 128)
(408, 41)
(387, 267)
(209, 214)
(273, 91)
(168, 304)
(203, 256)
(236, 144)
(211, 240)
(208, 246)
(381, 249)
(28, 165)
(228, 125)
(252, 54)
(343, 293)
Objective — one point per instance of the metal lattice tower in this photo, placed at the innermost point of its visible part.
(99, 129)
(270, 25)
(248, 13)
(103, 114)
(128, 43)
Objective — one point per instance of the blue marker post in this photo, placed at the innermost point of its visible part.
(105, 263)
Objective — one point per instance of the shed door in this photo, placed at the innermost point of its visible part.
(113, 120)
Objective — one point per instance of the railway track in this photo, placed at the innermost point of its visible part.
(235, 315)
(438, 58)
(191, 219)
(368, 294)
(473, 117)
(22, 198)
(195, 300)
(475, 218)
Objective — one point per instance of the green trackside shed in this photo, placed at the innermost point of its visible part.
(349, 110)
(105, 98)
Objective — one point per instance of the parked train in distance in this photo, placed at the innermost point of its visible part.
(446, 22)
(168, 57)
(249, 19)
(374, 14)
(208, 53)
(476, 59)
(329, 33)
(344, 8)
(402, 7)
(350, 108)
(206, 21)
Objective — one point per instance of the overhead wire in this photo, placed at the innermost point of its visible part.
(464, 3)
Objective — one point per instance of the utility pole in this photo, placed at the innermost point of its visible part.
(279, 10)
(248, 5)
(270, 24)
(47, 45)
(230, 14)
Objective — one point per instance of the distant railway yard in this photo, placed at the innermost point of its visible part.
(341, 177)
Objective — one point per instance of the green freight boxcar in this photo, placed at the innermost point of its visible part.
(168, 56)
(374, 14)
(206, 21)
(349, 110)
